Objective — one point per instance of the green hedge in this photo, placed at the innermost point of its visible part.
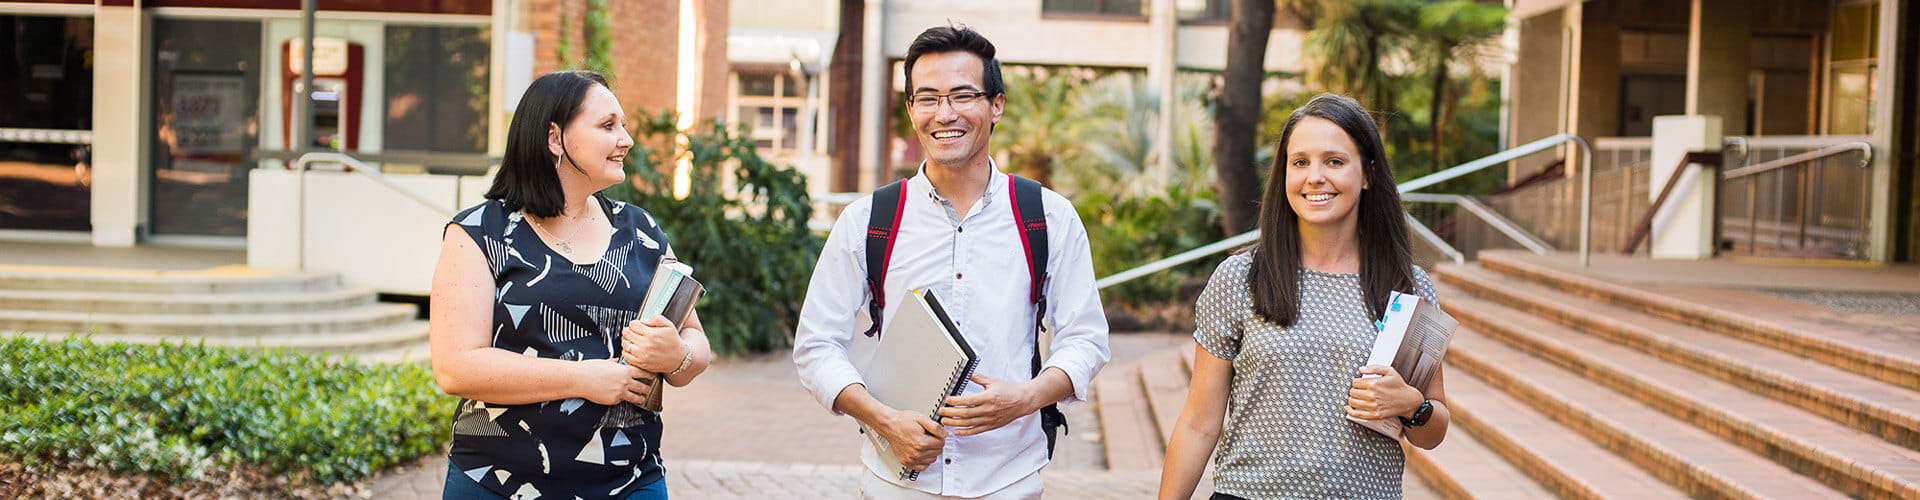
(188, 411)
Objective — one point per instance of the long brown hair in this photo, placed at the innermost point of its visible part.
(1386, 259)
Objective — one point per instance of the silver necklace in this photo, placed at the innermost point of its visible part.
(565, 244)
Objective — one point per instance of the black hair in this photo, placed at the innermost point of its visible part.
(527, 179)
(940, 39)
(1386, 258)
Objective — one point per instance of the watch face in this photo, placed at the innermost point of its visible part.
(1421, 414)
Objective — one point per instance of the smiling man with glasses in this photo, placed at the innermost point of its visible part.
(965, 230)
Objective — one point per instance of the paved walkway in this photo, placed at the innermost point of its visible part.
(746, 429)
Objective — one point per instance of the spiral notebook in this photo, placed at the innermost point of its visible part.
(922, 358)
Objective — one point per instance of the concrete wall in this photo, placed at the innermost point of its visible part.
(301, 224)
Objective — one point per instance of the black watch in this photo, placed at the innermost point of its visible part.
(1420, 415)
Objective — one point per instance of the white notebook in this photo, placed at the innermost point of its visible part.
(1413, 340)
(922, 358)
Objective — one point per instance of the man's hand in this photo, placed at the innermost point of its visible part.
(1374, 398)
(990, 409)
(915, 440)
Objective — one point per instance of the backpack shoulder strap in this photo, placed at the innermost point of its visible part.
(882, 225)
(1031, 215)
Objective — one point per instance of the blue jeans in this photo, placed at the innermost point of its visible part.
(461, 487)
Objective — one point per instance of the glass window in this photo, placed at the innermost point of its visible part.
(206, 92)
(1205, 11)
(757, 84)
(46, 82)
(436, 88)
(1127, 8)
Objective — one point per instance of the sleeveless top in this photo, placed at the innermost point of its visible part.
(547, 306)
(1286, 433)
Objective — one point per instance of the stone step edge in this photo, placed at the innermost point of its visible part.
(1892, 369)
(15, 277)
(1125, 420)
(349, 342)
(197, 325)
(1886, 422)
(1599, 428)
(1528, 459)
(1756, 436)
(71, 300)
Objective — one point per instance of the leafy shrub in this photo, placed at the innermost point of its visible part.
(187, 411)
(748, 244)
(1128, 232)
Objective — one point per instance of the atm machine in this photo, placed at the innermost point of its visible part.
(339, 71)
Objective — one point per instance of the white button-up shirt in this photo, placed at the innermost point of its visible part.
(975, 264)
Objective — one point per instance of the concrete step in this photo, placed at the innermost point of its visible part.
(412, 352)
(232, 279)
(1560, 459)
(359, 319)
(181, 303)
(1888, 411)
(1696, 462)
(1857, 462)
(391, 343)
(1464, 468)
(1885, 352)
(1126, 421)
(1165, 377)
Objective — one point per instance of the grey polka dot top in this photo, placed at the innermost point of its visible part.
(1286, 434)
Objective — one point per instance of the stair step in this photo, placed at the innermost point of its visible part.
(195, 325)
(1850, 460)
(1559, 458)
(1463, 467)
(1866, 349)
(416, 352)
(1165, 378)
(151, 303)
(1126, 424)
(1691, 459)
(1891, 412)
(231, 279)
(402, 336)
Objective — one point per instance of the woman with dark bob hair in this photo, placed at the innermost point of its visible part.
(534, 313)
(1283, 329)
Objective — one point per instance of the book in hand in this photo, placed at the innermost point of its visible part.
(921, 360)
(671, 294)
(1413, 340)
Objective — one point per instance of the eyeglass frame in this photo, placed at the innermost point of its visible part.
(982, 95)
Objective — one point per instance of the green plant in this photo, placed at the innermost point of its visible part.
(1131, 231)
(742, 226)
(187, 411)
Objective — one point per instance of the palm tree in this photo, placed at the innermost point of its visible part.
(1040, 129)
(1237, 116)
(1448, 31)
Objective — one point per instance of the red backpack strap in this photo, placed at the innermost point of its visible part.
(883, 224)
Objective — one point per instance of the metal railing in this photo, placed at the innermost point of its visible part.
(1586, 209)
(305, 162)
(1806, 198)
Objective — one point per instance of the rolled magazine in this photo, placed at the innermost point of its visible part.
(1413, 340)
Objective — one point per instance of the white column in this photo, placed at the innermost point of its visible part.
(873, 93)
(1160, 82)
(1881, 210)
(1683, 229)
(119, 120)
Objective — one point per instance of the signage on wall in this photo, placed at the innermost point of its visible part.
(329, 56)
(208, 121)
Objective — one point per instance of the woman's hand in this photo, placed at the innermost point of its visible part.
(652, 344)
(607, 382)
(1388, 395)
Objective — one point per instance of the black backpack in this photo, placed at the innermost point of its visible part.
(1028, 211)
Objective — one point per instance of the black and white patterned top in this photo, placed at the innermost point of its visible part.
(547, 306)
(1286, 433)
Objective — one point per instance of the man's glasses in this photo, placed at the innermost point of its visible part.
(959, 100)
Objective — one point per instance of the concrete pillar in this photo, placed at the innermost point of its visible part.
(873, 94)
(1719, 35)
(1594, 93)
(1160, 81)
(1538, 80)
(1683, 229)
(119, 120)
(1885, 127)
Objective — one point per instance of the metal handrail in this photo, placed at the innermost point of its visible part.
(1586, 206)
(1488, 215)
(1865, 149)
(358, 167)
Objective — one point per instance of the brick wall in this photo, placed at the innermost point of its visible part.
(646, 44)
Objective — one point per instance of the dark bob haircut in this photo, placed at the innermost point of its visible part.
(940, 39)
(527, 179)
(1386, 260)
